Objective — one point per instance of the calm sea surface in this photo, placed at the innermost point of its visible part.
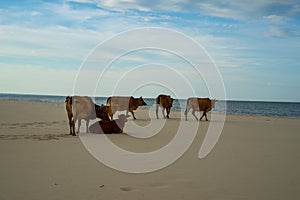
(284, 109)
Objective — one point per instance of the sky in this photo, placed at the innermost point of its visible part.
(253, 44)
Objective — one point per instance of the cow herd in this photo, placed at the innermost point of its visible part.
(82, 107)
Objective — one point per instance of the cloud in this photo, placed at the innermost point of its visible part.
(275, 32)
(241, 36)
(234, 9)
(53, 47)
(276, 18)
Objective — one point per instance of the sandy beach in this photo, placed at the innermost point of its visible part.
(255, 158)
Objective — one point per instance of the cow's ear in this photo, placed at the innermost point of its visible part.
(141, 97)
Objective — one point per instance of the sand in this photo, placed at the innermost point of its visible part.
(255, 158)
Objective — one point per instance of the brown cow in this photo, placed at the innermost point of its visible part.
(124, 103)
(102, 112)
(199, 104)
(165, 102)
(114, 126)
(82, 107)
(68, 102)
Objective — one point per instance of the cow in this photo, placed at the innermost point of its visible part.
(199, 104)
(69, 103)
(117, 103)
(82, 107)
(165, 102)
(102, 112)
(114, 126)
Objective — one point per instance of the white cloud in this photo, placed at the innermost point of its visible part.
(275, 32)
(236, 9)
(35, 13)
(276, 18)
(32, 37)
(51, 42)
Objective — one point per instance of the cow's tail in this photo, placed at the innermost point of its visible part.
(108, 101)
(158, 100)
(109, 109)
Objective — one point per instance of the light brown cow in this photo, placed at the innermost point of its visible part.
(199, 104)
(82, 107)
(114, 126)
(164, 101)
(129, 104)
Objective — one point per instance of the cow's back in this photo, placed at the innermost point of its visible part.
(164, 100)
(204, 104)
(199, 104)
(105, 127)
(119, 103)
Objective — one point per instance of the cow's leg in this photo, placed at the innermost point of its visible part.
(87, 125)
(163, 112)
(79, 124)
(157, 105)
(193, 112)
(204, 114)
(168, 112)
(72, 127)
(131, 113)
(186, 111)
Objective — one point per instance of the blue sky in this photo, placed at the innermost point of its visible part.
(255, 44)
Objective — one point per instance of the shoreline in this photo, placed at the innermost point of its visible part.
(172, 110)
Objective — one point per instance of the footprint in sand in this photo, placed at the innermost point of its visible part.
(126, 189)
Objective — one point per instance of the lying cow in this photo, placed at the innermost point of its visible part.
(82, 107)
(114, 126)
(165, 102)
(124, 103)
(199, 104)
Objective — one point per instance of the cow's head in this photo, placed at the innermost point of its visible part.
(102, 112)
(68, 100)
(142, 102)
(172, 101)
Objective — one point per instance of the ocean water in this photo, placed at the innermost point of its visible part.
(261, 108)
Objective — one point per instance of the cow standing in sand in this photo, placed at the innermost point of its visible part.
(82, 107)
(199, 104)
(164, 101)
(124, 103)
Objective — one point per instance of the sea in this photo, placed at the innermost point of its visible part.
(260, 108)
